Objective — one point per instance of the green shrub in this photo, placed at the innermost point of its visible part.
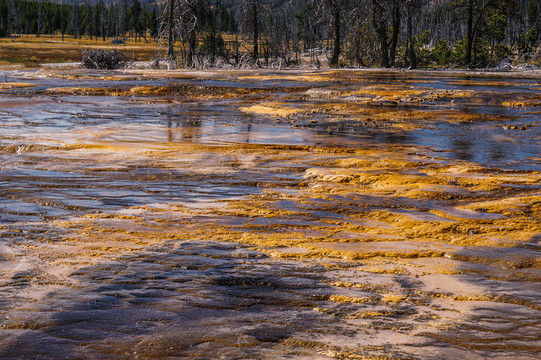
(480, 54)
(458, 54)
(501, 51)
(441, 53)
(213, 44)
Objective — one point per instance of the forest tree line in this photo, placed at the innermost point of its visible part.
(386, 33)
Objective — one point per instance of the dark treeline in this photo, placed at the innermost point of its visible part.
(78, 18)
(387, 33)
(97, 19)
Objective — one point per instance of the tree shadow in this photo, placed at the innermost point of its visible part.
(184, 299)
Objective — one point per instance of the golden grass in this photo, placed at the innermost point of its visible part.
(30, 51)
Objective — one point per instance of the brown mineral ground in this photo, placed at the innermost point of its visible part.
(252, 214)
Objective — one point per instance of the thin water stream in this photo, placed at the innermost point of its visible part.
(262, 214)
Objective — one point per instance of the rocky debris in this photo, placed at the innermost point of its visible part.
(516, 127)
(525, 67)
(155, 64)
(504, 66)
(507, 65)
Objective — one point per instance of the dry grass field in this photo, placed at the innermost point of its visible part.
(30, 51)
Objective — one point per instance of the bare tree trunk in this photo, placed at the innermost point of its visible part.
(396, 30)
(102, 21)
(170, 39)
(380, 25)
(336, 29)
(409, 30)
(237, 56)
(61, 20)
(470, 32)
(40, 19)
(256, 29)
(191, 49)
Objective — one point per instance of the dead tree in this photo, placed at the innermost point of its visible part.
(188, 20)
(250, 23)
(410, 4)
(181, 20)
(167, 33)
(379, 22)
(335, 7)
(40, 19)
(395, 24)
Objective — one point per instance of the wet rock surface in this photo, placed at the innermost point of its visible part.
(269, 215)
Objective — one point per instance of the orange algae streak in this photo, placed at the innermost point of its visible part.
(12, 85)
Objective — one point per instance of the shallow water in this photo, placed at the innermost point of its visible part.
(266, 215)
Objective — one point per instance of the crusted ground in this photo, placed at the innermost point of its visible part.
(194, 219)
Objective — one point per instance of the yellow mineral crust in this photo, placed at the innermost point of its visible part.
(379, 249)
(368, 314)
(176, 91)
(509, 205)
(523, 103)
(393, 95)
(272, 109)
(85, 91)
(306, 77)
(467, 219)
(348, 299)
(367, 287)
(411, 95)
(394, 298)
(11, 85)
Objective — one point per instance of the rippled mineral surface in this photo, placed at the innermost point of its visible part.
(254, 215)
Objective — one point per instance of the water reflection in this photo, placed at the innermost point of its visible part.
(486, 144)
(222, 122)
